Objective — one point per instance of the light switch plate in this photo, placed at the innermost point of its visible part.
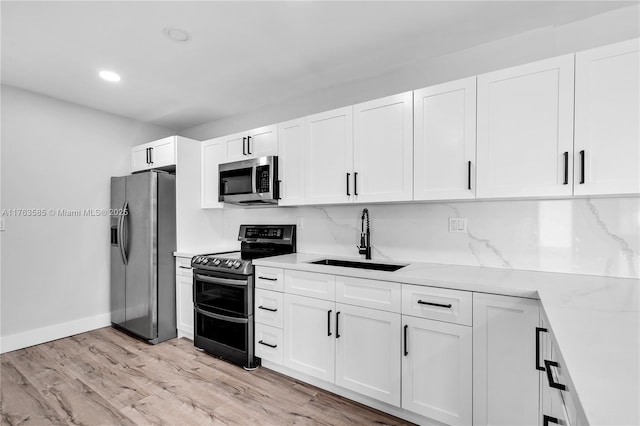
(299, 223)
(458, 224)
(1, 223)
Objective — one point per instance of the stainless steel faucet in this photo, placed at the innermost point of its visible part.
(365, 237)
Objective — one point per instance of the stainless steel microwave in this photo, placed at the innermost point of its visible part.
(249, 182)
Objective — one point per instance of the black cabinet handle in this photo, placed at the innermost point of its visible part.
(582, 167)
(267, 309)
(355, 183)
(566, 168)
(329, 323)
(406, 352)
(267, 344)
(546, 420)
(538, 331)
(469, 175)
(552, 383)
(249, 145)
(338, 325)
(348, 175)
(440, 305)
(147, 152)
(268, 279)
(151, 155)
(244, 147)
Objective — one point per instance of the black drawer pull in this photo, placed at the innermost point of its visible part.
(355, 183)
(249, 145)
(566, 168)
(469, 175)
(244, 147)
(267, 309)
(338, 325)
(546, 420)
(329, 323)
(538, 331)
(552, 383)
(268, 279)
(440, 305)
(267, 344)
(406, 352)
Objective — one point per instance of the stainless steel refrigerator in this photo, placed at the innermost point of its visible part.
(143, 239)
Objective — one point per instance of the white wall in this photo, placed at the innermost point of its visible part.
(55, 270)
(599, 236)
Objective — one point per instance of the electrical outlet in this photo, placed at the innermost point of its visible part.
(458, 224)
(1, 223)
(299, 223)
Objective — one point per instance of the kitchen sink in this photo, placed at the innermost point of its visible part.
(389, 267)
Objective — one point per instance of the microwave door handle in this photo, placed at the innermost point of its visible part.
(254, 177)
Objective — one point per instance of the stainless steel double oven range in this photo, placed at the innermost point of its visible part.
(223, 292)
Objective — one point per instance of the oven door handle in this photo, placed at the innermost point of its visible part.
(221, 317)
(221, 281)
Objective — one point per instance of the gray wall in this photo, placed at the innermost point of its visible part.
(56, 155)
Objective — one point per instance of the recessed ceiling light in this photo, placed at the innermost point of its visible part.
(176, 34)
(110, 76)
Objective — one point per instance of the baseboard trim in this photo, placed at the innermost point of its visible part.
(25, 339)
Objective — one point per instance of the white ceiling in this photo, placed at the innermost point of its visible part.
(242, 55)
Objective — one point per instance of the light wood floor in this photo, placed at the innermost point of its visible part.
(105, 377)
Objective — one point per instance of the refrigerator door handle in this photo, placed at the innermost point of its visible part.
(123, 240)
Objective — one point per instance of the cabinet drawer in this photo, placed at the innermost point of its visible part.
(183, 266)
(319, 286)
(269, 306)
(383, 295)
(437, 303)
(269, 278)
(269, 341)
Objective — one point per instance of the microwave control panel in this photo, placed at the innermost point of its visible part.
(262, 179)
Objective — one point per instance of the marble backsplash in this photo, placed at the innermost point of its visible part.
(599, 236)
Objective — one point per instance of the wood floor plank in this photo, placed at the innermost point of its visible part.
(106, 377)
(21, 403)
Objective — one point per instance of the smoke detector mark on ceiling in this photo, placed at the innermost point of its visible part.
(177, 35)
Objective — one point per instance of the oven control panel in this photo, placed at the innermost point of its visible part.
(213, 263)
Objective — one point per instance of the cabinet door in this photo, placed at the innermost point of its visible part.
(184, 293)
(608, 120)
(140, 158)
(309, 343)
(505, 380)
(212, 154)
(291, 162)
(445, 141)
(525, 130)
(368, 352)
(329, 157)
(235, 146)
(383, 149)
(436, 370)
(163, 152)
(262, 141)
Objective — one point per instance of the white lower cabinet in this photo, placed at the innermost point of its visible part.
(367, 348)
(308, 336)
(184, 297)
(437, 370)
(505, 382)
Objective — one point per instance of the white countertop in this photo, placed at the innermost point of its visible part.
(595, 320)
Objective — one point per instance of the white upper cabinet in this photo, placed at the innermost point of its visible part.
(383, 149)
(251, 144)
(329, 157)
(211, 155)
(291, 162)
(607, 120)
(445, 141)
(525, 130)
(154, 155)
